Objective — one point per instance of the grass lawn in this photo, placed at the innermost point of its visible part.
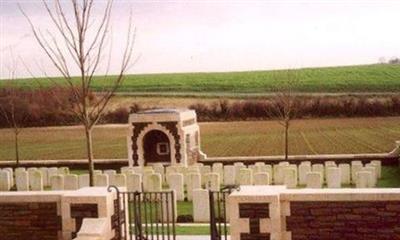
(363, 78)
(314, 136)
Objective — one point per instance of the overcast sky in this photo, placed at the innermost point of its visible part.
(198, 36)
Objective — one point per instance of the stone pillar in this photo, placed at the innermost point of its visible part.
(255, 213)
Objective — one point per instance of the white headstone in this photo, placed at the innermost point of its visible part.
(264, 169)
(63, 170)
(119, 180)
(229, 175)
(212, 182)
(201, 206)
(168, 212)
(71, 182)
(83, 180)
(153, 182)
(101, 180)
(5, 184)
(36, 180)
(51, 172)
(345, 173)
(11, 175)
(362, 179)
(45, 175)
(219, 169)
(290, 177)
(259, 164)
(261, 178)
(372, 178)
(159, 168)
(238, 168)
(330, 164)
(193, 181)
(305, 163)
(22, 180)
(314, 180)
(176, 183)
(379, 166)
(356, 166)
(245, 177)
(57, 182)
(110, 173)
(203, 171)
(333, 177)
(134, 182)
(278, 172)
(319, 168)
(303, 170)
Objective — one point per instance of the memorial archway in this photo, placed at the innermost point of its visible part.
(156, 147)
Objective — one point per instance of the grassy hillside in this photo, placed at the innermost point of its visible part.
(364, 78)
(314, 136)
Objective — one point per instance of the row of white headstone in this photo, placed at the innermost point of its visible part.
(198, 176)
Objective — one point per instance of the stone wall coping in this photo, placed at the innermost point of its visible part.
(31, 196)
(304, 194)
(259, 191)
(344, 194)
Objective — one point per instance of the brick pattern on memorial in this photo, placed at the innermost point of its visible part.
(254, 212)
(137, 129)
(344, 220)
(34, 221)
(173, 129)
(81, 211)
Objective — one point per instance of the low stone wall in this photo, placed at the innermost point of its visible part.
(317, 214)
(53, 215)
(344, 220)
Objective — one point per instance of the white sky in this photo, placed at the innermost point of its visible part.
(198, 36)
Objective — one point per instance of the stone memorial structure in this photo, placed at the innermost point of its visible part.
(167, 136)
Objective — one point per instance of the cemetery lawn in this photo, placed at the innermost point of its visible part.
(251, 138)
(362, 78)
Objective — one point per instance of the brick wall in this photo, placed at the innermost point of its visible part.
(81, 211)
(357, 220)
(33, 220)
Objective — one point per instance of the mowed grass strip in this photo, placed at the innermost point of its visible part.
(363, 78)
(249, 138)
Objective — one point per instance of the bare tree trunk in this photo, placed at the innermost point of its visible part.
(16, 148)
(286, 141)
(89, 149)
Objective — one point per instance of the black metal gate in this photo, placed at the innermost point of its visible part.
(145, 215)
(218, 212)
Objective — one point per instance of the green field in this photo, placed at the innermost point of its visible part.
(363, 78)
(313, 136)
